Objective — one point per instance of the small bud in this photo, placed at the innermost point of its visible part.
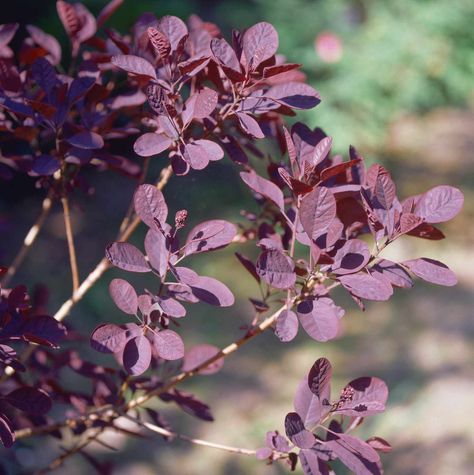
(180, 218)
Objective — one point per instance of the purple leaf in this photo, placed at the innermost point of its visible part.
(79, 88)
(395, 274)
(226, 57)
(311, 408)
(45, 165)
(43, 329)
(198, 354)
(6, 432)
(47, 42)
(271, 71)
(171, 307)
(86, 140)
(249, 125)
(249, 265)
(209, 235)
(439, 204)
(200, 105)
(150, 204)
(286, 327)
(381, 185)
(366, 286)
(29, 399)
(277, 442)
(174, 29)
(317, 211)
(363, 397)
(263, 453)
(108, 338)
(160, 43)
(124, 296)
(157, 251)
(260, 42)
(276, 269)
(351, 257)
(108, 11)
(264, 187)
(355, 454)
(296, 432)
(319, 318)
(44, 74)
(127, 257)
(135, 65)
(212, 291)
(200, 152)
(296, 95)
(137, 355)
(311, 464)
(319, 377)
(151, 143)
(432, 271)
(168, 344)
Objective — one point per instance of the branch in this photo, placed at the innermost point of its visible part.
(205, 443)
(30, 238)
(70, 243)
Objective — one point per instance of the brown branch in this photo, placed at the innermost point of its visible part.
(205, 443)
(29, 239)
(70, 243)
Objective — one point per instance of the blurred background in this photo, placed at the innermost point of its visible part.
(396, 79)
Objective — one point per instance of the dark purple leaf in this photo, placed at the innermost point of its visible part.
(43, 329)
(45, 165)
(351, 257)
(249, 125)
(29, 399)
(439, 204)
(234, 149)
(432, 271)
(151, 143)
(157, 251)
(319, 318)
(317, 211)
(160, 43)
(168, 344)
(209, 235)
(276, 269)
(382, 186)
(87, 140)
(260, 42)
(367, 286)
(249, 265)
(108, 338)
(363, 397)
(286, 327)
(296, 432)
(311, 464)
(426, 231)
(198, 354)
(127, 257)
(7, 435)
(134, 64)
(193, 66)
(319, 377)
(296, 95)
(150, 204)
(271, 71)
(137, 355)
(124, 296)
(226, 57)
(44, 74)
(264, 187)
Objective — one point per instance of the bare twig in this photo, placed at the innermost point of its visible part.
(70, 243)
(29, 239)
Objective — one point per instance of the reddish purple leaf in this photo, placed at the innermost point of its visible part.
(311, 464)
(137, 355)
(249, 125)
(174, 29)
(29, 399)
(276, 269)
(43, 330)
(200, 105)
(439, 204)
(209, 235)
(47, 42)
(271, 71)
(108, 338)
(286, 327)
(319, 318)
(351, 257)
(134, 64)
(150, 204)
(264, 187)
(127, 257)
(317, 211)
(432, 271)
(198, 354)
(87, 140)
(108, 11)
(363, 397)
(160, 43)
(319, 377)
(296, 432)
(200, 152)
(260, 42)
(124, 296)
(226, 57)
(151, 143)
(296, 95)
(157, 251)
(381, 185)
(379, 444)
(249, 265)
(366, 286)
(212, 291)
(395, 274)
(168, 344)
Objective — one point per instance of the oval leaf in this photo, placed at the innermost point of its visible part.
(127, 257)
(124, 296)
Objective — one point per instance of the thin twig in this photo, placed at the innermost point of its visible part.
(70, 243)
(29, 239)
(205, 443)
